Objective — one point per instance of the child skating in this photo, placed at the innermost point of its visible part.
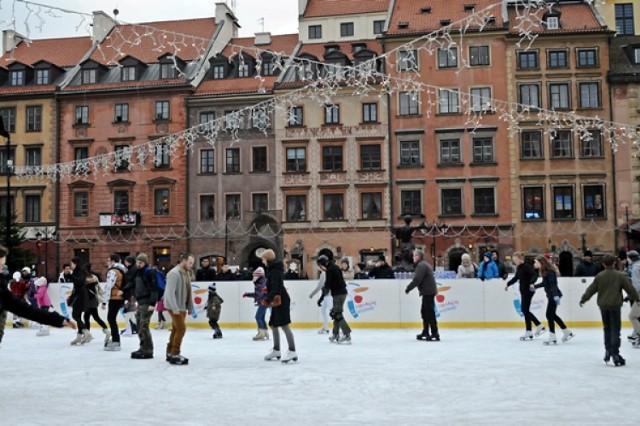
(214, 306)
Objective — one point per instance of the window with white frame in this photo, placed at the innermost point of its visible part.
(43, 76)
(333, 206)
(589, 95)
(217, 72)
(332, 114)
(448, 58)
(529, 96)
(448, 101)
(531, 145)
(480, 99)
(409, 104)
(559, 96)
(371, 205)
(591, 145)
(409, 153)
(450, 151)
(561, 144)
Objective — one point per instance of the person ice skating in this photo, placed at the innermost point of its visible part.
(178, 301)
(634, 312)
(44, 303)
(280, 315)
(335, 285)
(325, 306)
(19, 288)
(526, 275)
(214, 306)
(146, 294)
(78, 300)
(549, 274)
(466, 269)
(113, 298)
(488, 268)
(93, 301)
(609, 285)
(258, 295)
(425, 281)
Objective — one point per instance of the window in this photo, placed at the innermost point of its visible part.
(3, 161)
(591, 146)
(624, 19)
(206, 161)
(563, 205)
(408, 103)
(32, 208)
(128, 73)
(232, 160)
(162, 110)
(123, 156)
(296, 160)
(480, 99)
(451, 199)
(295, 116)
(260, 119)
(207, 207)
(370, 113)
(527, 60)
(589, 95)
(410, 202)
(167, 71)
(448, 58)
(370, 157)
(243, 70)
(80, 204)
(260, 202)
(315, 31)
(207, 117)
(332, 114)
(121, 113)
(409, 153)
(593, 199)
(8, 116)
(332, 159)
(559, 96)
(371, 205)
(232, 120)
(80, 156)
(82, 115)
(587, 58)
(484, 200)
(296, 208)
(34, 118)
(346, 29)
(450, 152)
(259, 158)
(89, 76)
(531, 144)
(561, 144)
(479, 56)
(268, 68)
(378, 27)
(233, 206)
(533, 202)
(162, 158)
(3, 205)
(448, 101)
(483, 151)
(332, 206)
(42, 77)
(34, 157)
(161, 205)
(407, 60)
(553, 22)
(120, 201)
(636, 55)
(529, 96)
(217, 71)
(17, 78)
(558, 59)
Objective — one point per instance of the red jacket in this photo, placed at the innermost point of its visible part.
(19, 288)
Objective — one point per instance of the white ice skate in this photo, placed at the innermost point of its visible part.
(43, 331)
(528, 335)
(551, 340)
(566, 335)
(290, 356)
(272, 355)
(540, 330)
(345, 340)
(323, 331)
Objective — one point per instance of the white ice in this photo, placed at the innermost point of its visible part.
(473, 376)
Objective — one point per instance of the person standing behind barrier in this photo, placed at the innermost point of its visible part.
(146, 294)
(526, 275)
(345, 267)
(466, 269)
(178, 302)
(113, 297)
(281, 314)
(258, 295)
(634, 313)
(488, 268)
(586, 267)
(549, 273)
(325, 306)
(335, 285)
(78, 300)
(424, 279)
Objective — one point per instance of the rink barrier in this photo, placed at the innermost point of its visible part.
(461, 303)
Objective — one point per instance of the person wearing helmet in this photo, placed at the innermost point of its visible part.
(335, 284)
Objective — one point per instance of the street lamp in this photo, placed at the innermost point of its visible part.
(5, 133)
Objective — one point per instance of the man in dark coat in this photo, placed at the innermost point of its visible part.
(424, 279)
(334, 284)
(586, 267)
(146, 293)
(382, 269)
(206, 272)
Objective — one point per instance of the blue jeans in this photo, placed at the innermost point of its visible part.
(260, 314)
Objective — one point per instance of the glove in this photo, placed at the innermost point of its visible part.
(245, 295)
(505, 276)
(557, 300)
(320, 301)
(481, 278)
(581, 304)
(406, 290)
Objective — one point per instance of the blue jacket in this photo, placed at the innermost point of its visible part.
(488, 270)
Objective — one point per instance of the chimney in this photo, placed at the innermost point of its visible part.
(302, 6)
(11, 40)
(263, 38)
(102, 26)
(223, 13)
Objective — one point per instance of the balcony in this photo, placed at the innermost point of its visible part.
(119, 220)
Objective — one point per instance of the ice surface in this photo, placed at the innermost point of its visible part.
(474, 376)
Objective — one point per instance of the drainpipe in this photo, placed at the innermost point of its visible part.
(390, 159)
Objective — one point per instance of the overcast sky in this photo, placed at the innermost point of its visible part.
(280, 16)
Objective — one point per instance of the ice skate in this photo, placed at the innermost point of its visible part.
(77, 340)
(334, 338)
(607, 357)
(423, 336)
(107, 336)
(550, 340)
(540, 330)
(528, 335)
(345, 340)
(324, 331)
(258, 336)
(43, 331)
(262, 335)
(86, 337)
(636, 344)
(618, 361)
(434, 338)
(161, 325)
(566, 335)
(273, 355)
(290, 356)
(112, 347)
(178, 360)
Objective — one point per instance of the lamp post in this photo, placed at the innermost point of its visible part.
(4, 131)
(39, 245)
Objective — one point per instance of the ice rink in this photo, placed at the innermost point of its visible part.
(473, 376)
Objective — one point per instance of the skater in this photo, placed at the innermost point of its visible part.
(19, 289)
(549, 273)
(424, 279)
(488, 268)
(44, 303)
(78, 300)
(178, 301)
(214, 306)
(278, 299)
(609, 285)
(113, 297)
(146, 293)
(130, 304)
(634, 313)
(94, 300)
(334, 284)
(258, 295)
(325, 306)
(526, 275)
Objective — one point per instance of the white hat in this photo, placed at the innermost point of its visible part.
(26, 269)
(40, 281)
(16, 276)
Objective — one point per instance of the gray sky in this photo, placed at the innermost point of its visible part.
(280, 16)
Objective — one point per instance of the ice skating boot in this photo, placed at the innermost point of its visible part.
(618, 361)
(43, 331)
(566, 335)
(274, 354)
(324, 331)
(528, 335)
(259, 335)
(551, 340)
(423, 336)
(607, 356)
(217, 334)
(107, 336)
(290, 356)
(86, 337)
(345, 340)
(265, 334)
(540, 330)
(112, 347)
(636, 343)
(262, 335)
(161, 325)
(77, 340)
(334, 338)
(434, 338)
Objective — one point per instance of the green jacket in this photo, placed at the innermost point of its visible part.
(609, 285)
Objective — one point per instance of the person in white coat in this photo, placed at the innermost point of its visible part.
(325, 306)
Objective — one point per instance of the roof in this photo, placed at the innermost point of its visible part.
(321, 8)
(574, 18)
(282, 44)
(621, 55)
(318, 49)
(63, 52)
(235, 86)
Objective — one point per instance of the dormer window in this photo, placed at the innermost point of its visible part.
(470, 8)
(425, 10)
(243, 70)
(89, 76)
(553, 22)
(17, 78)
(268, 68)
(217, 72)
(358, 47)
(445, 22)
(43, 77)
(128, 73)
(167, 71)
(403, 25)
(331, 48)
(636, 55)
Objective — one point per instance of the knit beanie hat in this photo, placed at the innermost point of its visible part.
(40, 281)
(142, 257)
(259, 272)
(212, 287)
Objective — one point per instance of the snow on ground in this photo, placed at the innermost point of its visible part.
(474, 376)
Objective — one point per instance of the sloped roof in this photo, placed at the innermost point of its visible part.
(622, 69)
(318, 49)
(321, 8)
(234, 86)
(282, 44)
(62, 52)
(574, 18)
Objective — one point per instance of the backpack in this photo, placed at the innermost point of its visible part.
(161, 281)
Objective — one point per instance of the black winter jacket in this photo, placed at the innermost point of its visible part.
(527, 275)
(280, 315)
(334, 281)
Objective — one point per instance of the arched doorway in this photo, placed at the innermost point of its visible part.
(455, 258)
(565, 264)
